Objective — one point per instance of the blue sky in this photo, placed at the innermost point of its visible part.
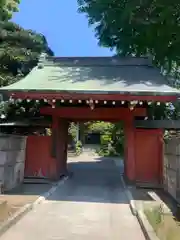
(67, 31)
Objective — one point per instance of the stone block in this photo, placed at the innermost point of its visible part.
(11, 157)
(171, 181)
(3, 158)
(178, 178)
(178, 195)
(12, 160)
(2, 174)
(166, 160)
(16, 143)
(10, 142)
(178, 162)
(9, 177)
(21, 156)
(4, 143)
(171, 173)
(172, 160)
(178, 148)
(19, 173)
(16, 156)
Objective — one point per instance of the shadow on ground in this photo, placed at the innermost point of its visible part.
(30, 189)
(98, 180)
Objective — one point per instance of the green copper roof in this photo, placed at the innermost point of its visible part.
(94, 75)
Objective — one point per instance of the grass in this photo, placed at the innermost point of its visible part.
(164, 225)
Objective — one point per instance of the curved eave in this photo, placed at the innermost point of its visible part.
(93, 78)
(99, 92)
(94, 95)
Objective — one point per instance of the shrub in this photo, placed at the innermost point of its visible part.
(78, 147)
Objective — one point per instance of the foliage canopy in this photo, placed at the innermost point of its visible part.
(7, 7)
(136, 27)
(19, 51)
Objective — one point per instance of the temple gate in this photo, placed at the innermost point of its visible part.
(98, 88)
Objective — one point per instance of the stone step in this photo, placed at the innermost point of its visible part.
(36, 180)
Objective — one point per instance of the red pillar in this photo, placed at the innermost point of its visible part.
(63, 141)
(59, 147)
(54, 139)
(129, 161)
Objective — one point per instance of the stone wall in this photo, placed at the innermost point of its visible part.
(12, 160)
(172, 167)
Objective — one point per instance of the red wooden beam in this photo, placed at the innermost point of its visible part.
(106, 114)
(105, 120)
(86, 96)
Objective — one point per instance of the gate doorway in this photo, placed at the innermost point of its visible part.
(101, 141)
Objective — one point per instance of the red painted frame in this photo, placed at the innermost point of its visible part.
(106, 114)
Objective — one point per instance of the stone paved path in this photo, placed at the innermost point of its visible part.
(91, 205)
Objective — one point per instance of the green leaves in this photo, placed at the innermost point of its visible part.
(100, 126)
(149, 27)
(7, 7)
(19, 51)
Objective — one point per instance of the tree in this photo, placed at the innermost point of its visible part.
(19, 51)
(7, 7)
(100, 126)
(140, 28)
(111, 135)
(136, 27)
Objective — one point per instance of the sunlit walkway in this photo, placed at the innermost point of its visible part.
(91, 205)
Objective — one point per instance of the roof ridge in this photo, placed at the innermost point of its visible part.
(42, 60)
(98, 61)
